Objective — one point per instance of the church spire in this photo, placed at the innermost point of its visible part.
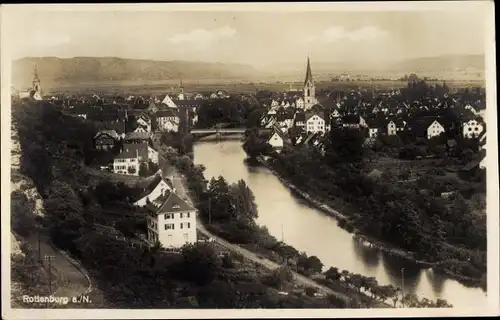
(35, 73)
(309, 76)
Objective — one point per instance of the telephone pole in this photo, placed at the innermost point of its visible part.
(49, 259)
(402, 286)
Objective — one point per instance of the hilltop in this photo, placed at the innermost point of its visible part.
(94, 69)
(55, 72)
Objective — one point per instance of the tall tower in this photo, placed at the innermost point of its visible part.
(36, 87)
(309, 88)
(181, 93)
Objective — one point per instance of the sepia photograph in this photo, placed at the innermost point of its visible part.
(249, 160)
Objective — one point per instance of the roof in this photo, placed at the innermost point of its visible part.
(300, 116)
(153, 184)
(309, 115)
(165, 113)
(174, 204)
(189, 102)
(280, 133)
(137, 136)
(309, 76)
(132, 150)
(351, 118)
(111, 133)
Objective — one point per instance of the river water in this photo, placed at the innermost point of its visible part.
(311, 231)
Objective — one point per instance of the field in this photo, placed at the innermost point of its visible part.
(231, 86)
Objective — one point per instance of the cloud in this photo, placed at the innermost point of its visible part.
(338, 33)
(203, 36)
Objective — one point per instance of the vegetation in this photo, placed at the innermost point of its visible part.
(86, 221)
(229, 211)
(422, 223)
(225, 111)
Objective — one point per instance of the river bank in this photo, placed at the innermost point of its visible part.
(346, 224)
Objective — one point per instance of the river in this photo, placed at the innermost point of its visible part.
(311, 231)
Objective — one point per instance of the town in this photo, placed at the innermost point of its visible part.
(137, 139)
(342, 167)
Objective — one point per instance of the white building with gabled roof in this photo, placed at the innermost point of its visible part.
(171, 221)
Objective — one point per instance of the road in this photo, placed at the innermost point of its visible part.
(178, 182)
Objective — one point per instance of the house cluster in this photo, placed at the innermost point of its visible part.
(387, 113)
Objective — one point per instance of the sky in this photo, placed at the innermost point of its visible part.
(257, 38)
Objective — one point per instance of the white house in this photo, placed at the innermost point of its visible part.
(171, 222)
(144, 122)
(315, 123)
(299, 103)
(278, 138)
(472, 128)
(127, 163)
(391, 128)
(154, 191)
(152, 155)
(167, 120)
(434, 129)
(169, 102)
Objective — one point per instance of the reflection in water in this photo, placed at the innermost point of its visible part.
(370, 256)
(309, 230)
(436, 280)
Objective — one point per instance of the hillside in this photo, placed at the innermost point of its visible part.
(56, 72)
(90, 69)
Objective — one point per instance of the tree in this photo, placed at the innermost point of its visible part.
(332, 274)
(314, 264)
(244, 201)
(153, 167)
(344, 145)
(200, 263)
(131, 170)
(143, 169)
(254, 146)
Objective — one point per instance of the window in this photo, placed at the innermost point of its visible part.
(188, 214)
(176, 206)
(169, 226)
(186, 237)
(169, 216)
(189, 225)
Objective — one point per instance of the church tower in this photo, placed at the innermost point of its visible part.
(309, 88)
(180, 96)
(36, 87)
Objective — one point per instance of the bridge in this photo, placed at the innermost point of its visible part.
(218, 130)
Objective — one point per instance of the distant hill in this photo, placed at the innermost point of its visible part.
(84, 70)
(90, 69)
(447, 66)
(443, 63)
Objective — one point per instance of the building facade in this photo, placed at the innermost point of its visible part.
(171, 222)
